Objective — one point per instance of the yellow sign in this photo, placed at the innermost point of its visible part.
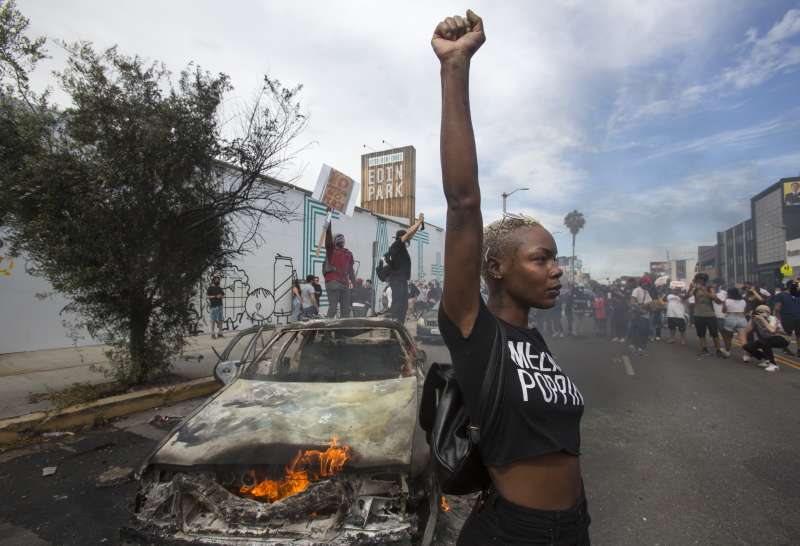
(786, 270)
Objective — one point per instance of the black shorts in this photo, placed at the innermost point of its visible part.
(703, 324)
(791, 326)
(499, 521)
(675, 323)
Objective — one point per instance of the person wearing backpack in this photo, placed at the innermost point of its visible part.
(531, 449)
(399, 263)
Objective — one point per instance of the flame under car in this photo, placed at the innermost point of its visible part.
(314, 440)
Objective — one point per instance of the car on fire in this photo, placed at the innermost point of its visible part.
(313, 439)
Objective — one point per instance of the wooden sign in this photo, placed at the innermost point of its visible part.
(336, 190)
(388, 184)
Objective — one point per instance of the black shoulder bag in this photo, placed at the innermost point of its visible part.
(452, 436)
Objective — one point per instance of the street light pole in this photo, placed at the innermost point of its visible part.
(505, 196)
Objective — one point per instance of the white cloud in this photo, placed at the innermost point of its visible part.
(762, 58)
(538, 86)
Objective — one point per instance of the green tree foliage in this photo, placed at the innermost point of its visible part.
(126, 203)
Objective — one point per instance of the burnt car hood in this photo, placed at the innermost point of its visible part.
(260, 422)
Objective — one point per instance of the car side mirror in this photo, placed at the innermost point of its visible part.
(225, 372)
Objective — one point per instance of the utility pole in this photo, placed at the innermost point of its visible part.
(505, 196)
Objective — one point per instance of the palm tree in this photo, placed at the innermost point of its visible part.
(575, 222)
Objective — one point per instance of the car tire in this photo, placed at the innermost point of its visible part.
(429, 512)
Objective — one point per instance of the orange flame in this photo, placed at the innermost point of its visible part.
(444, 505)
(301, 472)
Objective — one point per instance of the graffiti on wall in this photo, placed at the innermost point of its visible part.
(437, 269)
(314, 214)
(421, 238)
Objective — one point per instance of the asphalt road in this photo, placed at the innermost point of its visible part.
(677, 450)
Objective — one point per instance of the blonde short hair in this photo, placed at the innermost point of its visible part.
(497, 239)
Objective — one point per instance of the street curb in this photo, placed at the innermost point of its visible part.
(13, 429)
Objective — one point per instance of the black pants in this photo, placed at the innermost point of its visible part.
(640, 331)
(658, 321)
(399, 307)
(619, 325)
(499, 521)
(762, 348)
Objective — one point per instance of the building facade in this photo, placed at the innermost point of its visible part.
(736, 254)
(257, 286)
(776, 220)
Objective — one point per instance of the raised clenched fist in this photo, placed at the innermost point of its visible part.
(458, 36)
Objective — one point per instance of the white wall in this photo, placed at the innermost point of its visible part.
(257, 285)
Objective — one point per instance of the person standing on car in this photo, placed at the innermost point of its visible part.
(532, 455)
(339, 274)
(400, 270)
(215, 294)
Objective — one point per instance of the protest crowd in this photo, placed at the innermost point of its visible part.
(724, 318)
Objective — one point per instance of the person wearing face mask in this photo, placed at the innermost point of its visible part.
(766, 339)
(787, 311)
(340, 276)
(215, 294)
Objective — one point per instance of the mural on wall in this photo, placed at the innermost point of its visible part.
(437, 269)
(422, 238)
(312, 264)
(283, 275)
(382, 238)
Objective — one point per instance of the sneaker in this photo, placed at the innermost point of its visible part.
(772, 368)
(632, 347)
(745, 358)
(639, 350)
(763, 364)
(658, 338)
(613, 340)
(704, 352)
(722, 354)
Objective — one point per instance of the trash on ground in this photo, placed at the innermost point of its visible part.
(57, 434)
(49, 470)
(165, 421)
(115, 475)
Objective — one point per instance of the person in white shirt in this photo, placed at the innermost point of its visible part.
(676, 316)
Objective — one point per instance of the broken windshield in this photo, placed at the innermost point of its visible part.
(333, 355)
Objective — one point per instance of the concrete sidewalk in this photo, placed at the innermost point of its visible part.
(22, 374)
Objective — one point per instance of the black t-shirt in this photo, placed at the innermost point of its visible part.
(413, 291)
(215, 291)
(541, 408)
(399, 260)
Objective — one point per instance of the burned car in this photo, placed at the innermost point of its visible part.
(313, 440)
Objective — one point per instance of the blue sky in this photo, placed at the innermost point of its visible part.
(657, 120)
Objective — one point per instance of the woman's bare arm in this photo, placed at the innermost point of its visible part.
(455, 40)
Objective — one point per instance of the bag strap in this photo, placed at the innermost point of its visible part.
(490, 400)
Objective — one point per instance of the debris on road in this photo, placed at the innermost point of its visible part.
(115, 475)
(49, 470)
(165, 421)
(57, 434)
(60, 497)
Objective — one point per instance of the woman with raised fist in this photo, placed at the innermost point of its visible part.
(533, 453)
